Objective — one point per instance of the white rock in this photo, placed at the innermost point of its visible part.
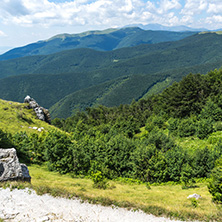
(10, 168)
(196, 196)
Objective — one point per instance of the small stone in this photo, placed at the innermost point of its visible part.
(196, 196)
(43, 219)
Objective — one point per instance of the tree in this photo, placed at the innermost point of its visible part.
(215, 185)
(187, 176)
(204, 128)
(5, 141)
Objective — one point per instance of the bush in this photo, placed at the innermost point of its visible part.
(5, 141)
(186, 128)
(173, 125)
(215, 185)
(59, 151)
(99, 180)
(186, 178)
(204, 128)
(218, 126)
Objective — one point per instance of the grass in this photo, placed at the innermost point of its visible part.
(15, 117)
(158, 87)
(162, 200)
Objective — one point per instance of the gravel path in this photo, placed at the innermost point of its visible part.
(27, 206)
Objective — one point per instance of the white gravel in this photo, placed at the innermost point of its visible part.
(27, 206)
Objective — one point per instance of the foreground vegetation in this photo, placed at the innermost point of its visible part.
(130, 194)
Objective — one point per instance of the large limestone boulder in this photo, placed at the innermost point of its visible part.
(10, 168)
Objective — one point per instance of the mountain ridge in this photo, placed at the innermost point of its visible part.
(105, 40)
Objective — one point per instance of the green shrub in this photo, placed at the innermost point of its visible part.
(148, 186)
(218, 126)
(59, 151)
(187, 177)
(186, 128)
(204, 128)
(5, 140)
(215, 184)
(211, 110)
(194, 202)
(99, 180)
(173, 125)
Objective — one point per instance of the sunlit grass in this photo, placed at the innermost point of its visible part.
(165, 200)
(15, 117)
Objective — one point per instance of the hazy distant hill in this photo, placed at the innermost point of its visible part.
(106, 40)
(158, 27)
(111, 77)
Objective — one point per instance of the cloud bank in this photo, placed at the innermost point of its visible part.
(111, 13)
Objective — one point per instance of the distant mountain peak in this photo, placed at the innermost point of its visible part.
(82, 34)
(158, 27)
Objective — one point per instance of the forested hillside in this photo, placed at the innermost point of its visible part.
(164, 138)
(167, 137)
(133, 72)
(106, 40)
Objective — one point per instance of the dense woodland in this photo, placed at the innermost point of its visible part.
(140, 141)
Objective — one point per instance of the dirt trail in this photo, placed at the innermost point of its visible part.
(27, 206)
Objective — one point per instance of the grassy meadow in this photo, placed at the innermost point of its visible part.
(15, 117)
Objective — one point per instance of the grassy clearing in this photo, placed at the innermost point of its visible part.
(165, 200)
(158, 87)
(15, 117)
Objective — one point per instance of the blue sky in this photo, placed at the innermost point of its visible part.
(26, 21)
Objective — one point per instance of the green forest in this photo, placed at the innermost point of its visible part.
(173, 136)
(60, 81)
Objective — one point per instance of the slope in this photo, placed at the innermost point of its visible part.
(15, 117)
(106, 40)
(123, 90)
(110, 93)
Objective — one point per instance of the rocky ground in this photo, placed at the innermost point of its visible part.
(27, 206)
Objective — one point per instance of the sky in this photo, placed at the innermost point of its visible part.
(27, 21)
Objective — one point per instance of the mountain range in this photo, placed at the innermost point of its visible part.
(108, 67)
(106, 40)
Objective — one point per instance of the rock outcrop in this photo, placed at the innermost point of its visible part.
(41, 113)
(10, 168)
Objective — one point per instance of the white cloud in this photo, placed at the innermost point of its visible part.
(2, 34)
(166, 5)
(108, 13)
(82, 12)
(215, 7)
(193, 7)
(216, 20)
